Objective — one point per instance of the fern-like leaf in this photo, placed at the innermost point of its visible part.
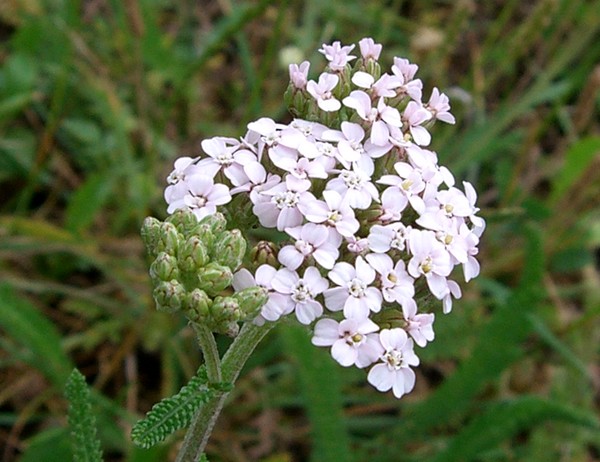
(171, 414)
(86, 445)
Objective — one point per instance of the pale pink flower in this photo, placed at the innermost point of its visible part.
(453, 291)
(337, 55)
(396, 284)
(419, 325)
(299, 74)
(369, 49)
(394, 372)
(177, 188)
(431, 260)
(379, 117)
(353, 293)
(300, 293)
(415, 116)
(406, 71)
(322, 92)
(352, 341)
(439, 107)
(393, 236)
(409, 182)
(355, 185)
(334, 212)
(203, 196)
(311, 240)
(358, 245)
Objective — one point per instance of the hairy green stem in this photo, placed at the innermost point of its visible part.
(208, 345)
(233, 362)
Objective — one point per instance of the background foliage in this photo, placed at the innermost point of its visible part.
(97, 98)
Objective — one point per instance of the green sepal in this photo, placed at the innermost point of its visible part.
(225, 314)
(164, 268)
(86, 445)
(229, 249)
(264, 252)
(214, 278)
(168, 240)
(169, 296)
(192, 254)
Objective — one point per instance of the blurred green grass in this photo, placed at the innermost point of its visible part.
(97, 98)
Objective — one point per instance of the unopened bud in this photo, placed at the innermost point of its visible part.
(216, 221)
(197, 305)
(169, 296)
(184, 220)
(169, 239)
(229, 249)
(151, 233)
(389, 319)
(164, 267)
(192, 254)
(251, 300)
(214, 278)
(264, 252)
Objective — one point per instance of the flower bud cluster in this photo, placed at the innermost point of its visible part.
(361, 226)
(192, 270)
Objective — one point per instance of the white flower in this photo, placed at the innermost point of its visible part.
(301, 292)
(337, 55)
(392, 236)
(299, 74)
(409, 182)
(353, 295)
(439, 107)
(177, 188)
(352, 341)
(379, 117)
(311, 241)
(415, 115)
(369, 49)
(393, 372)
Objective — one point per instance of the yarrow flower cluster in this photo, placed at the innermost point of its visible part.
(361, 226)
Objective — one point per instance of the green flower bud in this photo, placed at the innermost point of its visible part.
(169, 239)
(197, 305)
(389, 318)
(192, 254)
(184, 220)
(169, 296)
(151, 233)
(225, 314)
(264, 252)
(214, 278)
(251, 300)
(229, 249)
(373, 68)
(216, 221)
(164, 268)
(204, 233)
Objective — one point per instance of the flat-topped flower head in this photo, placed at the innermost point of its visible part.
(352, 224)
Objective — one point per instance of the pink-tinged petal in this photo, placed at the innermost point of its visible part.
(335, 298)
(209, 167)
(342, 273)
(289, 218)
(264, 275)
(381, 263)
(471, 268)
(243, 279)
(381, 377)
(290, 258)
(277, 306)
(363, 79)
(219, 195)
(344, 353)
(326, 257)
(372, 299)
(329, 105)
(409, 379)
(347, 227)
(315, 211)
(364, 271)
(309, 311)
(380, 133)
(315, 234)
(326, 332)
(352, 131)
(421, 136)
(255, 172)
(399, 384)
(200, 185)
(393, 339)
(368, 353)
(355, 308)
(267, 214)
(284, 280)
(437, 285)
